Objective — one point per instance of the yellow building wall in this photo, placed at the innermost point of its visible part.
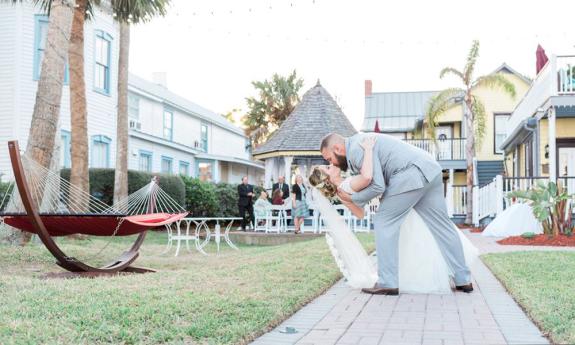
(497, 101)
(460, 178)
(522, 160)
(564, 128)
(454, 114)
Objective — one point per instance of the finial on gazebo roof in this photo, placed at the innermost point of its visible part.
(318, 83)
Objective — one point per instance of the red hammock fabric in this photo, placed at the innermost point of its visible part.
(95, 225)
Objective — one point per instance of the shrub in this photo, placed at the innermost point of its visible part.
(551, 206)
(528, 235)
(102, 184)
(227, 195)
(201, 200)
(5, 188)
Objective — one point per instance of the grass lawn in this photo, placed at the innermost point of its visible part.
(542, 282)
(192, 299)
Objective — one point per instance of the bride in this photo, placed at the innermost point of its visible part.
(422, 268)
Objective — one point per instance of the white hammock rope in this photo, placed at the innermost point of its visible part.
(54, 196)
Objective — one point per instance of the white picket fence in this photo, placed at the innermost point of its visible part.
(491, 199)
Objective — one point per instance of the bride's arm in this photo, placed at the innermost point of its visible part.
(361, 181)
(357, 211)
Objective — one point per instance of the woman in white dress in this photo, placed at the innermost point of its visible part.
(422, 268)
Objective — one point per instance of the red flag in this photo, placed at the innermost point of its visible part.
(376, 129)
(541, 58)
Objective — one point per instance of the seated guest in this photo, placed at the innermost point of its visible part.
(283, 186)
(262, 207)
(277, 197)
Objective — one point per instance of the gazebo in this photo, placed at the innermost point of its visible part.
(294, 146)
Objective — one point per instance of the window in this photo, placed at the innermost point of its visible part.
(166, 165)
(500, 131)
(40, 34)
(133, 106)
(184, 168)
(101, 151)
(204, 138)
(102, 57)
(168, 124)
(145, 161)
(204, 170)
(65, 149)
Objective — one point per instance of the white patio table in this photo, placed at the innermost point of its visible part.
(200, 224)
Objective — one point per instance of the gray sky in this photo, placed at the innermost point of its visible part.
(211, 59)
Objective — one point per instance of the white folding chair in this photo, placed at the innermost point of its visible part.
(276, 219)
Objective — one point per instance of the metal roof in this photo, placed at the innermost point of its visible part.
(395, 111)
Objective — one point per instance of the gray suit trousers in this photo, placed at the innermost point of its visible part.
(429, 203)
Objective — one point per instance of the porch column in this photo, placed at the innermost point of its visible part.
(552, 145)
(449, 194)
(216, 172)
(270, 166)
(287, 168)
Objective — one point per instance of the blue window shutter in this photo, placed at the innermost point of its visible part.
(40, 23)
(102, 85)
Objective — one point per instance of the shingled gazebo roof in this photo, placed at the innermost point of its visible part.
(315, 116)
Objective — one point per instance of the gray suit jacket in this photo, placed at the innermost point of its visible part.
(398, 167)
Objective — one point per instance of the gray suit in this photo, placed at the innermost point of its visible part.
(407, 177)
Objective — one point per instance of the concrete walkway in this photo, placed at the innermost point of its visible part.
(346, 316)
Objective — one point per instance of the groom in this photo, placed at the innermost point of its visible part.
(407, 177)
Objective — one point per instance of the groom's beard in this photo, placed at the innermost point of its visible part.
(341, 162)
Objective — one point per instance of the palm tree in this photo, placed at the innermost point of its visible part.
(79, 173)
(277, 99)
(474, 110)
(44, 125)
(126, 12)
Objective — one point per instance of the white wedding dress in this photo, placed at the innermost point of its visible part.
(516, 220)
(422, 268)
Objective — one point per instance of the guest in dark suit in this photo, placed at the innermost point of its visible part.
(281, 185)
(245, 202)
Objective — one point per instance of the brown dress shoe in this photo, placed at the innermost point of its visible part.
(376, 290)
(465, 288)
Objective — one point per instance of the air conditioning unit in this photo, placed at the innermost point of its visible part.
(135, 125)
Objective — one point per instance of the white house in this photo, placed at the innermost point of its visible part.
(168, 133)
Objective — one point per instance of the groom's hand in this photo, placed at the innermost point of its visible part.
(344, 197)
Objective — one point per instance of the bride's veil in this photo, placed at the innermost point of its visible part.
(349, 254)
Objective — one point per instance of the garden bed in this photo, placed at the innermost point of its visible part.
(473, 229)
(540, 240)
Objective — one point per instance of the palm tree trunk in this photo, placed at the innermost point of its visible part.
(79, 174)
(469, 154)
(121, 174)
(43, 128)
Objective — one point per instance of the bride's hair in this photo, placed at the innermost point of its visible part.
(320, 180)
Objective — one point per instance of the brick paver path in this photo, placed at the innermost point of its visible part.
(346, 316)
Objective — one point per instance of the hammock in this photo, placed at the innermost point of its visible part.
(43, 203)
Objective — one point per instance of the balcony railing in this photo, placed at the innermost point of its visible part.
(556, 78)
(443, 149)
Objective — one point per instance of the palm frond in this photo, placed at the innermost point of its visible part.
(497, 81)
(471, 60)
(139, 11)
(450, 70)
(479, 119)
(437, 106)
